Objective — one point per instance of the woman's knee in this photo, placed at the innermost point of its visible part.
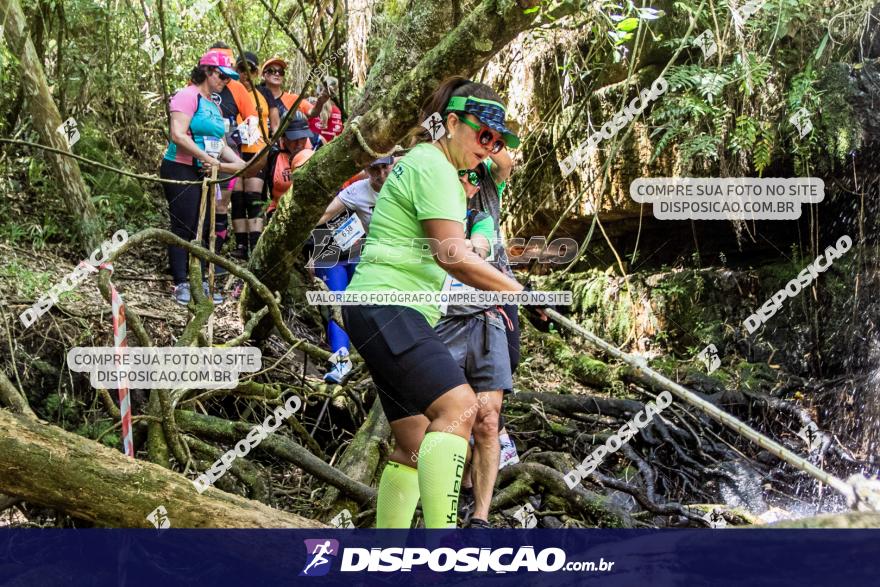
(453, 404)
(408, 456)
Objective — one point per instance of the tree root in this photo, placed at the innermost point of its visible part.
(46, 465)
(277, 445)
(521, 480)
(361, 459)
(247, 330)
(13, 398)
(161, 405)
(204, 254)
(645, 497)
(246, 472)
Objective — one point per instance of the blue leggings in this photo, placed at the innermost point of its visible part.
(337, 278)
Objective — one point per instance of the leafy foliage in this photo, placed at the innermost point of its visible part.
(735, 108)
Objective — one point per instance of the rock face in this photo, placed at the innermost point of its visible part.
(864, 89)
(560, 101)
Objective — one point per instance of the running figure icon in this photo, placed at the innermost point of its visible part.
(321, 549)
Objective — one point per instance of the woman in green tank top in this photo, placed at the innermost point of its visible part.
(416, 238)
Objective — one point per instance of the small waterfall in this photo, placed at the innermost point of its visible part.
(867, 412)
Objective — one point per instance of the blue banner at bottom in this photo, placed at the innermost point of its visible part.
(165, 558)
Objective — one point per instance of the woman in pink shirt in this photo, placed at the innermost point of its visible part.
(197, 146)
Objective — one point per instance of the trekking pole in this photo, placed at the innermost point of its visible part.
(856, 489)
(212, 240)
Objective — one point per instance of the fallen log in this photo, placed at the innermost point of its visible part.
(849, 520)
(284, 448)
(46, 465)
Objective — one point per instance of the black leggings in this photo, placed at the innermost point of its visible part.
(246, 205)
(183, 210)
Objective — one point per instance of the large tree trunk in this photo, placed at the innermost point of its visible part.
(46, 120)
(489, 27)
(51, 467)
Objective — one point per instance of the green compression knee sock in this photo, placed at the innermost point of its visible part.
(441, 463)
(398, 496)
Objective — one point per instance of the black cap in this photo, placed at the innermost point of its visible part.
(382, 161)
(298, 128)
(251, 59)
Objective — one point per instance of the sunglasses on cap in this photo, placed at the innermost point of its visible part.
(274, 71)
(473, 177)
(486, 137)
(223, 77)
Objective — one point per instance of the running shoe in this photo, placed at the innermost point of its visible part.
(478, 523)
(339, 366)
(240, 252)
(181, 294)
(218, 299)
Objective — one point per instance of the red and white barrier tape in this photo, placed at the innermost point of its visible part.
(120, 342)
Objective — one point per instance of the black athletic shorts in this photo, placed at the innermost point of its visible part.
(410, 365)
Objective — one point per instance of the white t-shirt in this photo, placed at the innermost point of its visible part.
(361, 198)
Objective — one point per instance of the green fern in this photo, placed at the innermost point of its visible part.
(753, 73)
(702, 146)
(744, 135)
(763, 150)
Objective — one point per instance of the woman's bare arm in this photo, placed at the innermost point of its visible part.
(451, 252)
(502, 166)
(336, 206)
(230, 162)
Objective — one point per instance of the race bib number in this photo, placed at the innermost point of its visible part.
(213, 147)
(250, 133)
(349, 232)
(452, 285)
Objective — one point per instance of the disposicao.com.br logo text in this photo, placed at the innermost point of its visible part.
(470, 559)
